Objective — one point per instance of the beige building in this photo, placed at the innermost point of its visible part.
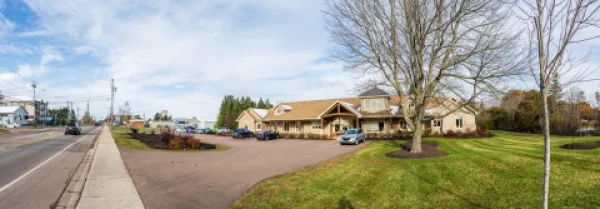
(375, 111)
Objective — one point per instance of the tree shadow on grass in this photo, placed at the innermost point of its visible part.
(449, 191)
(344, 203)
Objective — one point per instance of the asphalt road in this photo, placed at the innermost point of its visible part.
(35, 167)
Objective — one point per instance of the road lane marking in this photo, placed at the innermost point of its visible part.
(40, 165)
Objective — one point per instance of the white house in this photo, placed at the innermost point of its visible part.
(13, 115)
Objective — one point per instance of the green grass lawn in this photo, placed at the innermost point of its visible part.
(3, 131)
(124, 140)
(501, 172)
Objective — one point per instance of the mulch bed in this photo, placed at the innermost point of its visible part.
(155, 142)
(429, 149)
(582, 145)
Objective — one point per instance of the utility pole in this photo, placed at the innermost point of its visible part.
(113, 89)
(35, 109)
(69, 113)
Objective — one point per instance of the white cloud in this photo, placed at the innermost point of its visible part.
(50, 55)
(247, 48)
(13, 49)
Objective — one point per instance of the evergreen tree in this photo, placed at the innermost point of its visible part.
(261, 104)
(268, 104)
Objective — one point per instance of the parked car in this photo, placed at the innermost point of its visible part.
(241, 133)
(353, 136)
(14, 125)
(267, 135)
(98, 123)
(223, 132)
(72, 128)
(208, 131)
(588, 131)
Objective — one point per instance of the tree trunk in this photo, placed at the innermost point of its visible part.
(546, 133)
(417, 132)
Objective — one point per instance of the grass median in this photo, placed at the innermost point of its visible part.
(4, 131)
(501, 172)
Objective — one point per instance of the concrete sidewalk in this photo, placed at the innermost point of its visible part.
(108, 185)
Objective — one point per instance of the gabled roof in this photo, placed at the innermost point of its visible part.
(260, 112)
(9, 109)
(305, 110)
(374, 92)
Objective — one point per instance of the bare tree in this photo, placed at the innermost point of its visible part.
(554, 25)
(425, 49)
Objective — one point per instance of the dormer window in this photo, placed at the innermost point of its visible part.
(411, 104)
(279, 111)
(374, 104)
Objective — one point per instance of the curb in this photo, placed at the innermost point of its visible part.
(70, 196)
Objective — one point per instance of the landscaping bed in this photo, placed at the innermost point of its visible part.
(155, 141)
(429, 149)
(163, 139)
(582, 145)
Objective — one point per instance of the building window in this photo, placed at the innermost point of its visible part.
(371, 126)
(374, 104)
(257, 125)
(437, 122)
(286, 126)
(279, 111)
(459, 122)
(381, 126)
(297, 126)
(316, 125)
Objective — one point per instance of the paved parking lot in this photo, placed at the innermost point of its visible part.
(217, 179)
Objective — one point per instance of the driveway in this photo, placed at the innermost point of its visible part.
(217, 179)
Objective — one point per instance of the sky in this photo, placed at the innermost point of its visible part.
(182, 56)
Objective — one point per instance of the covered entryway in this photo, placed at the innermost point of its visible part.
(338, 119)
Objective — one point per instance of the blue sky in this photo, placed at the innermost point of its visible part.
(182, 56)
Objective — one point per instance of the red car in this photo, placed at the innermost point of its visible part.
(223, 132)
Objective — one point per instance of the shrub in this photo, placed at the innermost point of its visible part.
(285, 135)
(427, 132)
(450, 133)
(134, 130)
(192, 142)
(153, 132)
(175, 143)
(323, 137)
(166, 134)
(459, 133)
(481, 132)
(159, 126)
(301, 136)
(471, 133)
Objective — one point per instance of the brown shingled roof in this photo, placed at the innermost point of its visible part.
(374, 92)
(304, 110)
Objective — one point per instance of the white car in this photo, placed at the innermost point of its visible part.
(14, 125)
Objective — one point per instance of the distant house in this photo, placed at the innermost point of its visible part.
(136, 123)
(28, 104)
(375, 111)
(13, 115)
(196, 123)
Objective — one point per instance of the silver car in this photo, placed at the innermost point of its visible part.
(353, 136)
